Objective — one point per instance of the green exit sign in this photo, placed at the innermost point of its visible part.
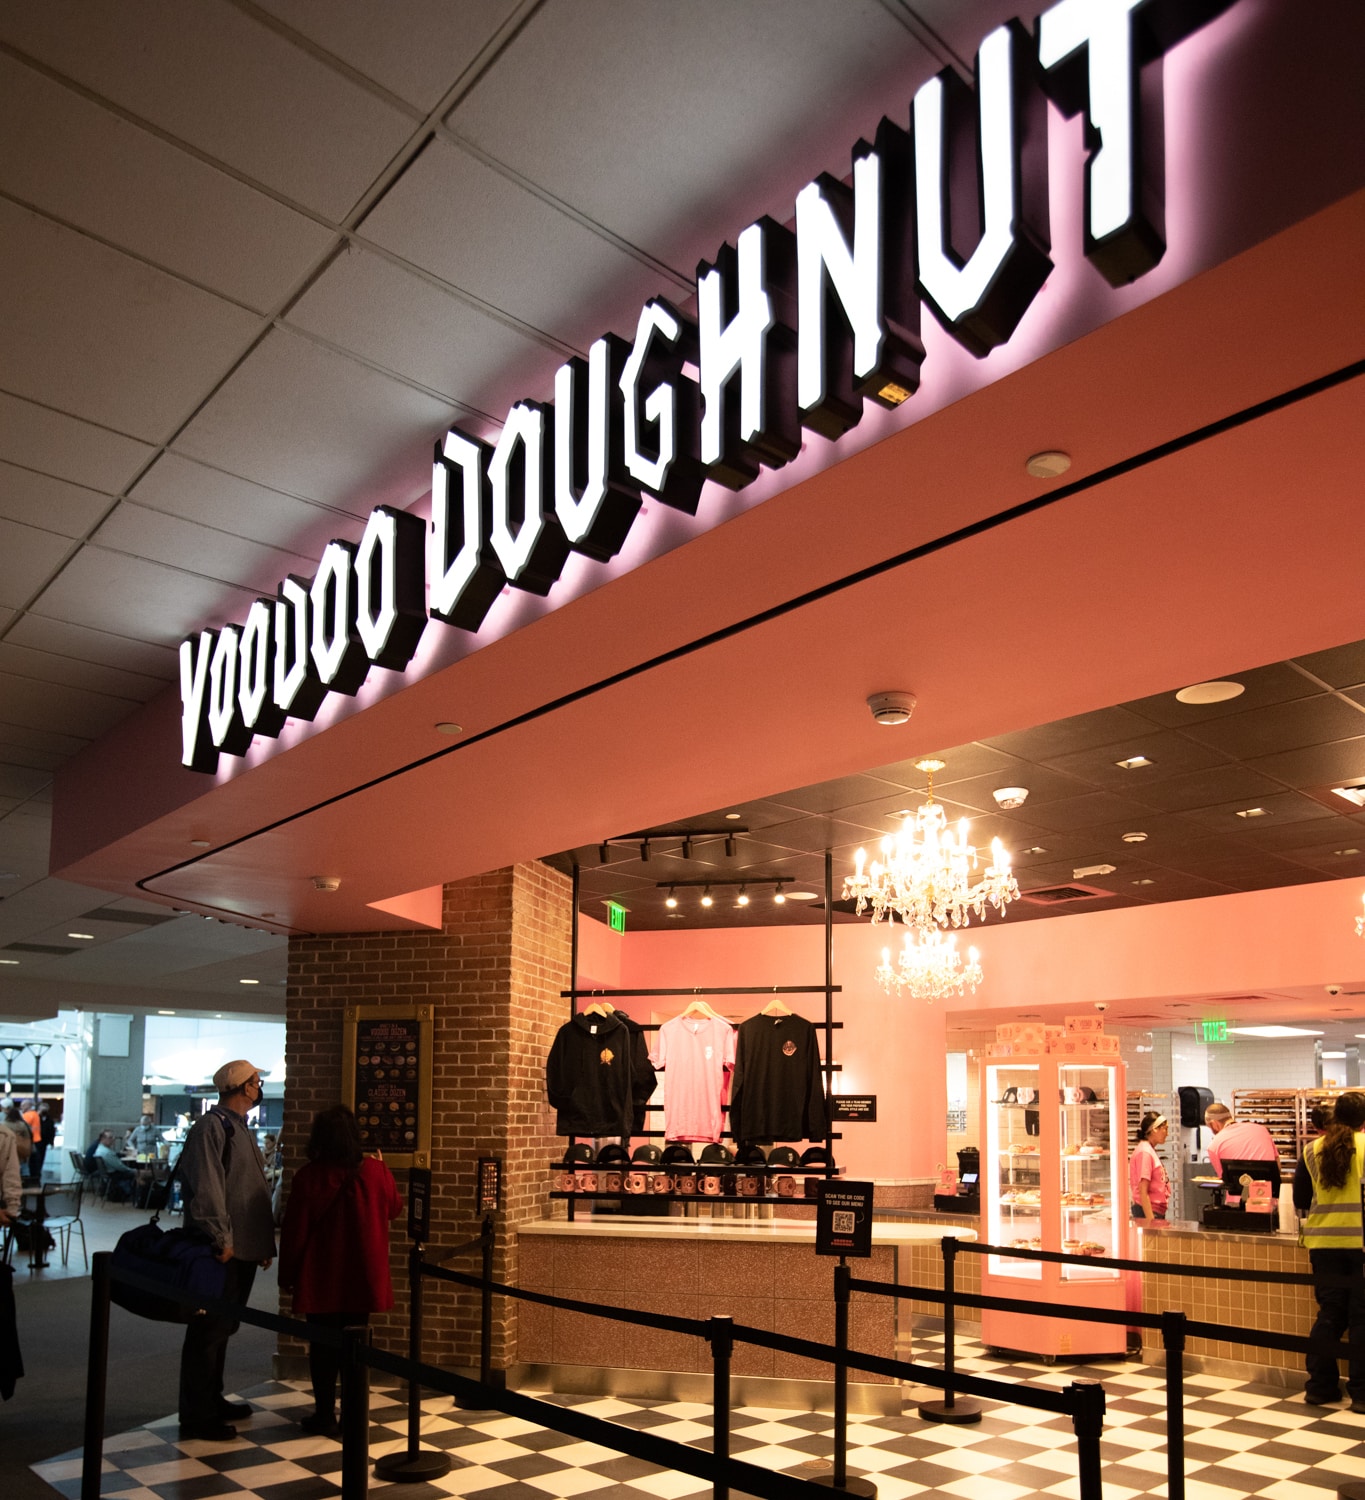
(1211, 1031)
(617, 913)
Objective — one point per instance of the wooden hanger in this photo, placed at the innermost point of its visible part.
(775, 1008)
(701, 1010)
(598, 1008)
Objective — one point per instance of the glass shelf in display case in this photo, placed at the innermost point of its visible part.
(1055, 1178)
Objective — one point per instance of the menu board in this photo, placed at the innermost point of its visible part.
(388, 1079)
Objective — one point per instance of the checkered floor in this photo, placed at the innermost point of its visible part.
(1240, 1441)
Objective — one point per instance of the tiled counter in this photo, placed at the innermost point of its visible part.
(764, 1274)
(1238, 1304)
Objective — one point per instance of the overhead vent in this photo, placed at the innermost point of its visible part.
(38, 948)
(1057, 895)
(131, 918)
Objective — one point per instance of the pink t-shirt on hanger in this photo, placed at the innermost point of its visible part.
(694, 1053)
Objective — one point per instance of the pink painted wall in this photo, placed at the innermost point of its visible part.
(1293, 941)
(891, 1048)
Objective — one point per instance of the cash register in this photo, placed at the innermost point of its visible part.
(1235, 1208)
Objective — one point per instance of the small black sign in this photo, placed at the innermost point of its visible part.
(843, 1219)
(489, 1188)
(855, 1108)
(419, 1204)
(388, 1082)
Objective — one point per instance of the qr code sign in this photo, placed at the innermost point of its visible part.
(843, 1222)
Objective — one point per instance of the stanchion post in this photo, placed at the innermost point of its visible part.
(721, 1336)
(1173, 1339)
(950, 1409)
(355, 1415)
(412, 1465)
(1088, 1421)
(96, 1375)
(840, 1479)
(486, 1303)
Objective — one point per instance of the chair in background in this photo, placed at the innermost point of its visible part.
(64, 1225)
(91, 1178)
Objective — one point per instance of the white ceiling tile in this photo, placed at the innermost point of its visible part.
(37, 760)
(297, 417)
(409, 325)
(129, 596)
(28, 558)
(418, 59)
(20, 782)
(480, 231)
(138, 191)
(68, 710)
(37, 437)
(15, 737)
(6, 615)
(61, 638)
(44, 666)
(198, 549)
(677, 125)
(53, 504)
(211, 75)
(91, 330)
(181, 487)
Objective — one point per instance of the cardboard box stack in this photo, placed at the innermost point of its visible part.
(1082, 1036)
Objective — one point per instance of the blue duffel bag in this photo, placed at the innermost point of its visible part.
(180, 1260)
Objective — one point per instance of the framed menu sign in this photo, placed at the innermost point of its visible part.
(386, 1068)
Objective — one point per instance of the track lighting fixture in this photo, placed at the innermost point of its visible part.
(743, 898)
(670, 901)
(603, 854)
(778, 898)
(706, 897)
(730, 846)
(687, 848)
(644, 851)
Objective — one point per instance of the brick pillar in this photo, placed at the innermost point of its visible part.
(494, 973)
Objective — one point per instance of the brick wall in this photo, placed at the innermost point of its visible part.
(494, 974)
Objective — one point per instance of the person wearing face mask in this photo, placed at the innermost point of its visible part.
(227, 1200)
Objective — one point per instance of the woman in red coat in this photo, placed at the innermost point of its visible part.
(334, 1247)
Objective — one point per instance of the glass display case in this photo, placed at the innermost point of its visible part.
(1054, 1177)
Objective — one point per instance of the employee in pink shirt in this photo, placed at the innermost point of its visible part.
(1236, 1140)
(1148, 1185)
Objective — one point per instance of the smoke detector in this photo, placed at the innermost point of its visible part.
(1010, 797)
(892, 708)
(326, 883)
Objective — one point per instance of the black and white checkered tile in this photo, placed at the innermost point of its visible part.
(1241, 1440)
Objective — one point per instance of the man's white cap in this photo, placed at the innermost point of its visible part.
(233, 1075)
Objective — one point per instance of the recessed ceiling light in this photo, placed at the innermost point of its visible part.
(1252, 812)
(1143, 880)
(267, 914)
(1353, 794)
(1133, 763)
(734, 817)
(10, 961)
(1009, 797)
(248, 981)
(1333, 1056)
(85, 937)
(1341, 853)
(446, 726)
(904, 812)
(802, 895)
(677, 915)
(1134, 838)
(201, 843)
(1209, 692)
(1272, 1031)
(165, 1012)
(1047, 464)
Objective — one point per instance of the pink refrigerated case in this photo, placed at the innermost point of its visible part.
(1054, 1176)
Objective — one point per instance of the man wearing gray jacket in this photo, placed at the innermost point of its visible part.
(227, 1199)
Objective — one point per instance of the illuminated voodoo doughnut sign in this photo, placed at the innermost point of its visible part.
(795, 328)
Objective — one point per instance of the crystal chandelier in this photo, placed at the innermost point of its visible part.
(929, 966)
(1360, 921)
(925, 874)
